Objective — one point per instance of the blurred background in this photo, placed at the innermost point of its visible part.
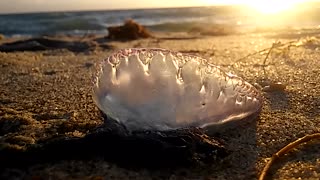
(77, 17)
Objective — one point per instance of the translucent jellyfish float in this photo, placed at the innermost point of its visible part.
(157, 89)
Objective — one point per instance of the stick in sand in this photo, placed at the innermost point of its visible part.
(285, 150)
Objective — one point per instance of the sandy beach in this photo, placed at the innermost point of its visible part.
(46, 93)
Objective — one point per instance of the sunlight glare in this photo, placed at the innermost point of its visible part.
(272, 6)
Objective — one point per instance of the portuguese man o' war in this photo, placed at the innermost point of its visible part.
(158, 89)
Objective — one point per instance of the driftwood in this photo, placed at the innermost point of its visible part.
(129, 31)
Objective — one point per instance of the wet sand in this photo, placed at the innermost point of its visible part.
(47, 93)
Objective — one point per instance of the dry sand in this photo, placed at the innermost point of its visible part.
(46, 93)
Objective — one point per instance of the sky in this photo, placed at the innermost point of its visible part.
(14, 6)
(18, 6)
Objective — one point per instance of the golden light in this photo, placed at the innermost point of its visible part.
(272, 6)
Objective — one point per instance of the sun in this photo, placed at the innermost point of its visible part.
(272, 6)
(266, 7)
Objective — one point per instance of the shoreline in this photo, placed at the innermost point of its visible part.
(198, 29)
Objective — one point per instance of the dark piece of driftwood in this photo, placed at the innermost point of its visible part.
(129, 31)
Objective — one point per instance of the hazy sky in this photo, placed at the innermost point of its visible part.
(10, 6)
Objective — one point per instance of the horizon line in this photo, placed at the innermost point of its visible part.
(116, 9)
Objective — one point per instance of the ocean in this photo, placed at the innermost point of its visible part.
(170, 19)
